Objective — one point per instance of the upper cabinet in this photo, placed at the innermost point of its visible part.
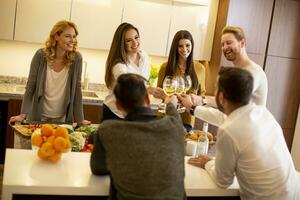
(284, 38)
(35, 19)
(7, 18)
(195, 19)
(96, 21)
(254, 17)
(152, 19)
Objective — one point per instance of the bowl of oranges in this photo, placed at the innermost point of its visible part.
(51, 142)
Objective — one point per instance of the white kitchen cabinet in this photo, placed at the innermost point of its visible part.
(35, 18)
(152, 18)
(96, 21)
(7, 19)
(198, 20)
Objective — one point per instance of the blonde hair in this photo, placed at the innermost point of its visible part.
(51, 44)
(236, 31)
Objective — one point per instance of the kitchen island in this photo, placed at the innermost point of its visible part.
(25, 174)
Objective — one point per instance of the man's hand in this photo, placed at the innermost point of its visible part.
(157, 92)
(199, 161)
(186, 101)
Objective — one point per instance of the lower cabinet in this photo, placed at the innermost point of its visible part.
(92, 113)
(3, 122)
(14, 108)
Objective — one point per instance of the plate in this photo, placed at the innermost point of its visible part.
(25, 130)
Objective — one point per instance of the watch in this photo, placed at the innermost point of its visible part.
(192, 110)
(204, 100)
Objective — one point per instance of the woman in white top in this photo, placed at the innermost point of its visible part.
(125, 56)
(53, 89)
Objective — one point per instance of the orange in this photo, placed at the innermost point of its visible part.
(37, 140)
(67, 147)
(41, 155)
(50, 139)
(47, 149)
(55, 157)
(60, 144)
(47, 130)
(61, 131)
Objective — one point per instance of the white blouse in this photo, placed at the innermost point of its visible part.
(143, 69)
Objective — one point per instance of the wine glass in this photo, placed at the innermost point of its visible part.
(179, 90)
(188, 83)
(169, 86)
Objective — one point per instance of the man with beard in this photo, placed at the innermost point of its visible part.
(250, 144)
(234, 49)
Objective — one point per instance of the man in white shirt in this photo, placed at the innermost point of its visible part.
(234, 49)
(250, 143)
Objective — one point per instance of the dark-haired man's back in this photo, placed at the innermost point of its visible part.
(144, 155)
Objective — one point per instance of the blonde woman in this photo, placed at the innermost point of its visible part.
(53, 89)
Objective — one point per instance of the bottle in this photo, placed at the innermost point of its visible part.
(203, 141)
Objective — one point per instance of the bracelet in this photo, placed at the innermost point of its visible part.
(192, 110)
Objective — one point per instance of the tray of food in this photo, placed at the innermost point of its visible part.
(26, 130)
(197, 134)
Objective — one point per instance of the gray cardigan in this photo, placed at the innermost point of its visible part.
(144, 158)
(34, 95)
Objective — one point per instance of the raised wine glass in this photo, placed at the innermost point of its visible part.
(179, 90)
(169, 86)
(188, 83)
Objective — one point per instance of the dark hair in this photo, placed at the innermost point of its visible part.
(130, 91)
(236, 85)
(236, 31)
(117, 52)
(174, 57)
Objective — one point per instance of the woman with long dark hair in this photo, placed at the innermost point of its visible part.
(125, 56)
(180, 63)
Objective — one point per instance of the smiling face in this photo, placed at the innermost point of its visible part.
(132, 41)
(66, 40)
(231, 47)
(184, 48)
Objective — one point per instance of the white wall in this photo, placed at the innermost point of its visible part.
(15, 58)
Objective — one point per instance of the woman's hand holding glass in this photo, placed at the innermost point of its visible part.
(169, 87)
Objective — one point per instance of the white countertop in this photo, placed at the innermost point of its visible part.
(25, 173)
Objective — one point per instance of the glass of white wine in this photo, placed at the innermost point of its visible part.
(188, 83)
(169, 86)
(179, 90)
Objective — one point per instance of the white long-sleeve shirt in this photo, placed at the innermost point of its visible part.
(251, 146)
(142, 69)
(259, 95)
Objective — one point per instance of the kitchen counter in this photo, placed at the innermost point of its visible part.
(15, 91)
(25, 173)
